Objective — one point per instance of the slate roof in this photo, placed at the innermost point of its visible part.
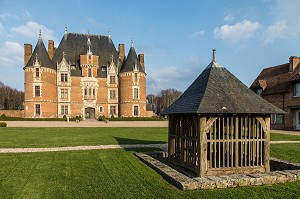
(278, 79)
(42, 54)
(130, 61)
(75, 44)
(217, 91)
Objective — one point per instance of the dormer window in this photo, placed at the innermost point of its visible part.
(296, 90)
(259, 91)
(63, 77)
(135, 77)
(37, 72)
(90, 57)
(103, 68)
(112, 79)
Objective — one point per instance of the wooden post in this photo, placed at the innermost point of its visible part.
(202, 146)
(267, 144)
(236, 141)
(171, 143)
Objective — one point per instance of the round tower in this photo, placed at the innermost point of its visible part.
(39, 82)
(132, 88)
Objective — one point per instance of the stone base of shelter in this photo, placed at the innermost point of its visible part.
(281, 172)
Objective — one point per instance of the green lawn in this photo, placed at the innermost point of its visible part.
(53, 137)
(114, 173)
(105, 174)
(276, 137)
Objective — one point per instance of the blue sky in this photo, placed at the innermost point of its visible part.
(176, 36)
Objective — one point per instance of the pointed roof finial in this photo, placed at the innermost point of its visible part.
(131, 42)
(40, 34)
(109, 33)
(214, 55)
(63, 54)
(65, 28)
(112, 56)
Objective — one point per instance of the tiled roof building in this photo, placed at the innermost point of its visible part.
(219, 126)
(85, 75)
(280, 85)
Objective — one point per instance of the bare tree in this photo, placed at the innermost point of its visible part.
(165, 98)
(10, 98)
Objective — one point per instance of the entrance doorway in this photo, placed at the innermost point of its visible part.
(89, 113)
(298, 119)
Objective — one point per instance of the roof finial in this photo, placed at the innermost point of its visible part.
(63, 54)
(131, 42)
(109, 33)
(65, 28)
(40, 34)
(214, 55)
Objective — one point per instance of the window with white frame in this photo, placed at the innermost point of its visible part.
(63, 77)
(37, 91)
(37, 109)
(135, 93)
(64, 109)
(112, 94)
(276, 119)
(64, 93)
(101, 109)
(296, 90)
(135, 77)
(113, 110)
(37, 72)
(135, 110)
(112, 79)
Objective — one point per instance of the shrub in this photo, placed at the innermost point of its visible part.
(3, 117)
(65, 117)
(112, 116)
(101, 118)
(3, 124)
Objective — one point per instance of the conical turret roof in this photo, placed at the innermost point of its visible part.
(42, 55)
(218, 91)
(130, 61)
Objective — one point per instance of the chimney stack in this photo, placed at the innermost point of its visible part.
(121, 51)
(294, 61)
(142, 60)
(50, 48)
(27, 53)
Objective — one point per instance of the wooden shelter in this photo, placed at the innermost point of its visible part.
(219, 126)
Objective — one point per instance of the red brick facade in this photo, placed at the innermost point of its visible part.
(278, 85)
(54, 91)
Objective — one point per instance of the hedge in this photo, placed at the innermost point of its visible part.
(3, 124)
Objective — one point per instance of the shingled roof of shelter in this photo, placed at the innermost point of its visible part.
(42, 55)
(217, 91)
(130, 61)
(278, 79)
(75, 44)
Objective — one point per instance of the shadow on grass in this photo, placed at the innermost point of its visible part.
(137, 141)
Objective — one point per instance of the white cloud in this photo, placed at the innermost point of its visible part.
(198, 33)
(240, 31)
(275, 31)
(228, 18)
(286, 24)
(31, 29)
(11, 54)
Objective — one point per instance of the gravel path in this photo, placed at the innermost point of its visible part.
(77, 148)
(87, 123)
(83, 148)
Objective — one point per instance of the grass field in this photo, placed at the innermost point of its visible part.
(54, 137)
(105, 174)
(114, 173)
(275, 137)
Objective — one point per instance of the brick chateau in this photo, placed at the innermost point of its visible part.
(85, 75)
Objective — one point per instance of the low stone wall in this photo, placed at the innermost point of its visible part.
(183, 182)
(12, 113)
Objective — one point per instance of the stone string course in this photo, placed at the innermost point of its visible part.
(223, 181)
